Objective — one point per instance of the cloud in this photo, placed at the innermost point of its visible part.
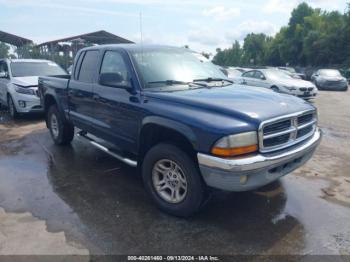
(222, 13)
(205, 37)
(286, 6)
(251, 26)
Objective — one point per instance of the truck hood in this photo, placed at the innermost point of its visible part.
(241, 102)
(26, 81)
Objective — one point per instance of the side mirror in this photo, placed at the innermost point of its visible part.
(4, 74)
(114, 80)
(262, 77)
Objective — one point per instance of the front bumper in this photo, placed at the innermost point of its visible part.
(31, 103)
(243, 174)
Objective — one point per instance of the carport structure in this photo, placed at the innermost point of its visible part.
(69, 46)
(14, 40)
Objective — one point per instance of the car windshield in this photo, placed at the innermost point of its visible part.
(161, 67)
(275, 74)
(20, 69)
(329, 72)
(289, 69)
(233, 72)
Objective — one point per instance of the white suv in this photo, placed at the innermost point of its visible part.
(19, 83)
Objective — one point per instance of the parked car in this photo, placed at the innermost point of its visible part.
(329, 79)
(292, 72)
(279, 82)
(180, 120)
(19, 83)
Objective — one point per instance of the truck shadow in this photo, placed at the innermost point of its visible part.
(119, 218)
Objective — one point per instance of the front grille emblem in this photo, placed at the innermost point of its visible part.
(293, 135)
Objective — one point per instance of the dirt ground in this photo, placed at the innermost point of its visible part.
(81, 201)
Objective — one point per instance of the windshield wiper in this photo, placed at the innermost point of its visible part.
(176, 82)
(213, 79)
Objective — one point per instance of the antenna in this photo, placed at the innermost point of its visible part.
(141, 37)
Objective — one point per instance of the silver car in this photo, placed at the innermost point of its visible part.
(279, 82)
(329, 79)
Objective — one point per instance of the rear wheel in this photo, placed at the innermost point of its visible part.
(172, 179)
(12, 108)
(62, 132)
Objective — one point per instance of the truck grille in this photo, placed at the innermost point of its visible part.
(282, 132)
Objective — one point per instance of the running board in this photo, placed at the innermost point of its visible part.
(127, 161)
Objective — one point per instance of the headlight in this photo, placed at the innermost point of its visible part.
(235, 145)
(290, 88)
(22, 90)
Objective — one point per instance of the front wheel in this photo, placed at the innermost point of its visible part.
(172, 179)
(61, 131)
(12, 108)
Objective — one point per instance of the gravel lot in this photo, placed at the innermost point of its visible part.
(78, 200)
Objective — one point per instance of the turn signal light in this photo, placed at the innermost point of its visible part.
(229, 152)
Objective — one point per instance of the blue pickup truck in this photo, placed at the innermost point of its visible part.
(174, 115)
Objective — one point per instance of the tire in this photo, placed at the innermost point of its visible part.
(275, 88)
(12, 108)
(188, 203)
(62, 132)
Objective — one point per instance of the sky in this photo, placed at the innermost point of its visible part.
(203, 25)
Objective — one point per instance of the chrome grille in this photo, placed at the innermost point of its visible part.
(282, 132)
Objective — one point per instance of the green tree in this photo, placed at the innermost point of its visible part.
(4, 50)
(254, 48)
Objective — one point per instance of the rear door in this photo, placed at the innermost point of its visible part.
(4, 81)
(80, 91)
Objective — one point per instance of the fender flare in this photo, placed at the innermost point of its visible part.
(176, 126)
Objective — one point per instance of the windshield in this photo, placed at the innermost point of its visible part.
(289, 69)
(159, 66)
(48, 68)
(234, 72)
(329, 72)
(275, 74)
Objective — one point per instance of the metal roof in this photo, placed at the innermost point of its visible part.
(14, 39)
(98, 37)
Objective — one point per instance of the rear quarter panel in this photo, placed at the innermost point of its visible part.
(57, 87)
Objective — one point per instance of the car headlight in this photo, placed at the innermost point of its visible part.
(290, 88)
(235, 145)
(22, 90)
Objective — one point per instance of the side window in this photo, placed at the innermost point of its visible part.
(88, 67)
(113, 62)
(258, 75)
(78, 64)
(249, 74)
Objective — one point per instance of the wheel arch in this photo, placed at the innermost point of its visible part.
(157, 129)
(49, 100)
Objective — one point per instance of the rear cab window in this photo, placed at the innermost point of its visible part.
(88, 67)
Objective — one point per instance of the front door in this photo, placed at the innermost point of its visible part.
(116, 108)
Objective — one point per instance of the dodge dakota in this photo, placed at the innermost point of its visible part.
(177, 118)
